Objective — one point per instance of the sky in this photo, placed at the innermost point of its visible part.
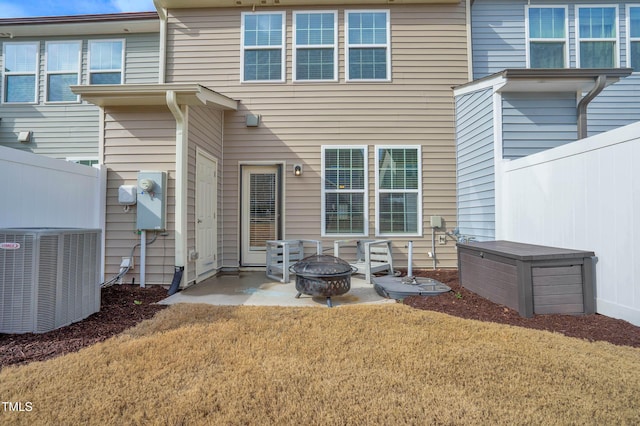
(31, 8)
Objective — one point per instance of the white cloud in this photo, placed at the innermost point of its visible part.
(133, 5)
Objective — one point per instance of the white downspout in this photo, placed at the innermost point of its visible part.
(181, 180)
(162, 69)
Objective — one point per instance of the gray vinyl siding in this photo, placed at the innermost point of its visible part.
(499, 42)
(71, 129)
(138, 139)
(475, 165)
(429, 56)
(534, 122)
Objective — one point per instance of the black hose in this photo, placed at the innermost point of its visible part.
(177, 277)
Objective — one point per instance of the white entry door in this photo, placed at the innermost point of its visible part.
(206, 215)
(260, 212)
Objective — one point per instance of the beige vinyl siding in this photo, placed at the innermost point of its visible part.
(205, 132)
(71, 129)
(138, 139)
(428, 51)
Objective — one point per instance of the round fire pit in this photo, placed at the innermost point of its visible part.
(322, 275)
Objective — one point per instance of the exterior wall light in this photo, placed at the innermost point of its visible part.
(297, 169)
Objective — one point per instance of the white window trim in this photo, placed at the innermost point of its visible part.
(47, 73)
(334, 46)
(629, 38)
(419, 206)
(530, 39)
(35, 73)
(579, 39)
(122, 64)
(347, 45)
(283, 48)
(324, 191)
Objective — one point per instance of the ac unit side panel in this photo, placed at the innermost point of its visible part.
(17, 271)
(47, 281)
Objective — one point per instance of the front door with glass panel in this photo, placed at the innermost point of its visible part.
(260, 212)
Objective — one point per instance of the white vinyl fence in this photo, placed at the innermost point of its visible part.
(584, 195)
(38, 191)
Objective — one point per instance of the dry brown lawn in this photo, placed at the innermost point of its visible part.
(383, 364)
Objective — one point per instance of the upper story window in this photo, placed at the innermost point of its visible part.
(62, 70)
(315, 52)
(368, 55)
(20, 72)
(633, 28)
(263, 46)
(597, 29)
(105, 61)
(547, 35)
(399, 189)
(344, 191)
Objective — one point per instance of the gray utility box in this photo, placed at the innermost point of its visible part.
(529, 278)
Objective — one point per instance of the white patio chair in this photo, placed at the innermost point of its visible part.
(281, 254)
(372, 256)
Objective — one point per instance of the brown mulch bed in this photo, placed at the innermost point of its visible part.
(123, 306)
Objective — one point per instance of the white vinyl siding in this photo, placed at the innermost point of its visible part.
(62, 69)
(315, 50)
(368, 45)
(344, 191)
(633, 31)
(263, 47)
(20, 83)
(399, 191)
(106, 58)
(547, 34)
(597, 37)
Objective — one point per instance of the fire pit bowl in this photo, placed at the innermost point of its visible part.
(322, 275)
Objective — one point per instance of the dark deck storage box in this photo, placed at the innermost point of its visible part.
(529, 278)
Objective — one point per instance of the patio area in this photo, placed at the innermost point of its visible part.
(256, 289)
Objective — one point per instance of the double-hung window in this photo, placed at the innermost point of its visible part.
(344, 191)
(597, 29)
(20, 72)
(315, 53)
(105, 61)
(399, 191)
(368, 55)
(263, 46)
(62, 70)
(547, 34)
(633, 29)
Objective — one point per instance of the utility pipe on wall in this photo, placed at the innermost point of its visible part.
(143, 257)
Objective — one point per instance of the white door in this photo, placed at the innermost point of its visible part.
(206, 215)
(260, 212)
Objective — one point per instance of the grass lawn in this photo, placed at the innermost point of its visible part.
(377, 364)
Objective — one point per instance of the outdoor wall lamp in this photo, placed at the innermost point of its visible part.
(297, 169)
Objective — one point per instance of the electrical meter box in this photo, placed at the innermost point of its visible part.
(152, 200)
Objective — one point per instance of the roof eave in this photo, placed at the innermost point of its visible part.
(153, 94)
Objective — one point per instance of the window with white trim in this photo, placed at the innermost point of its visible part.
(633, 51)
(62, 70)
(315, 53)
(399, 190)
(597, 28)
(20, 83)
(547, 34)
(263, 46)
(368, 48)
(106, 58)
(344, 191)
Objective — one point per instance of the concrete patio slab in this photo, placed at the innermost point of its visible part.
(254, 288)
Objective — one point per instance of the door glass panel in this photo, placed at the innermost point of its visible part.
(262, 210)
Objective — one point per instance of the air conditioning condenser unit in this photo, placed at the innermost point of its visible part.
(49, 277)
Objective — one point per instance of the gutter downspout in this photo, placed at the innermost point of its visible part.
(181, 188)
(162, 65)
(601, 81)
